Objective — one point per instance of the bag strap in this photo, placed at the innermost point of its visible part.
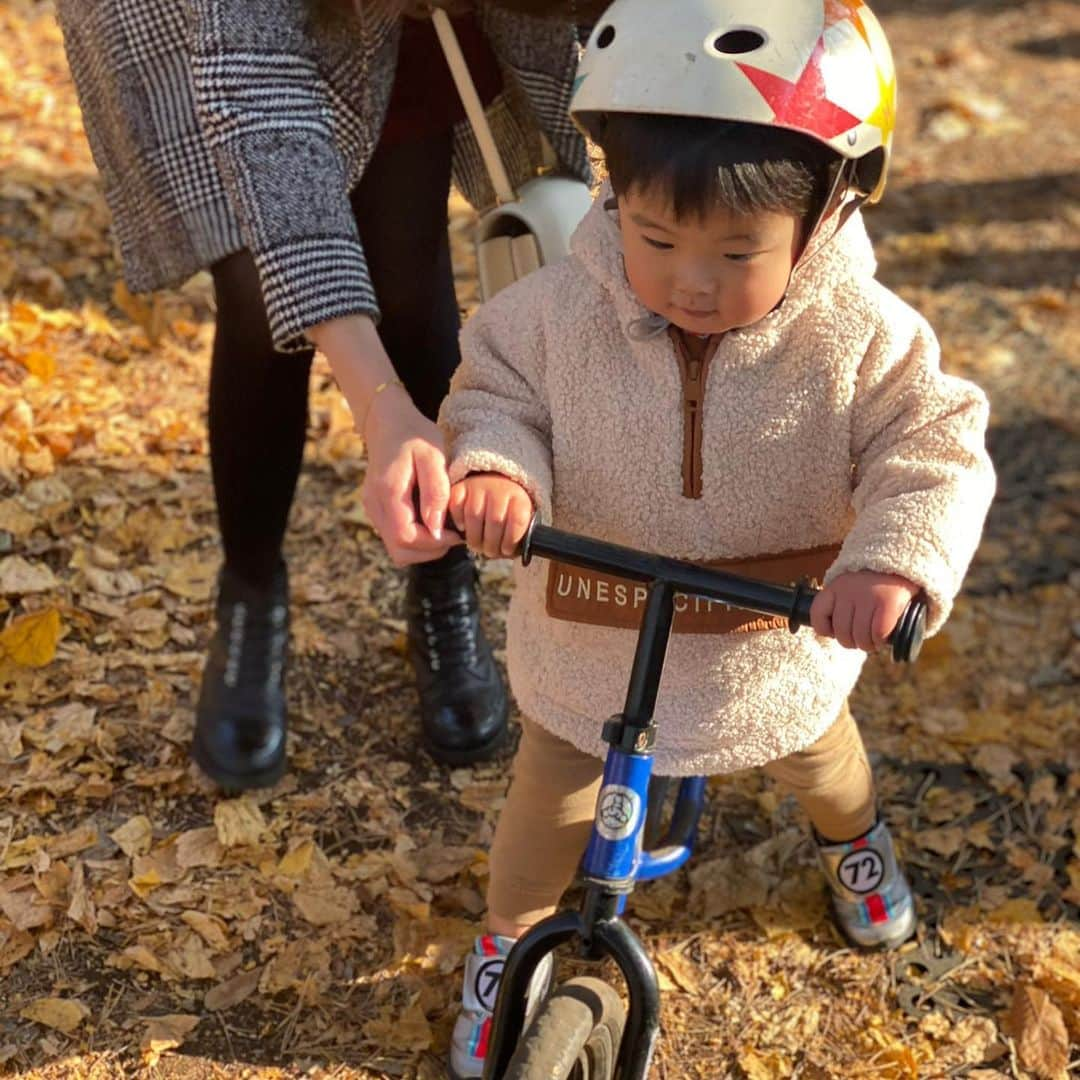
(474, 110)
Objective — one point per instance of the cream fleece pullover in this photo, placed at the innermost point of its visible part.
(827, 421)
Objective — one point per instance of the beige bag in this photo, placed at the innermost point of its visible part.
(528, 228)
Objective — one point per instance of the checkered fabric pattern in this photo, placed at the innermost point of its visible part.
(219, 125)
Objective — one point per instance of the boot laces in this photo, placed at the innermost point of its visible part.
(450, 631)
(256, 645)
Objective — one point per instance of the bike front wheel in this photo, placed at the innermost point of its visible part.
(574, 1035)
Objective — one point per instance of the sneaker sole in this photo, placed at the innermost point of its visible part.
(885, 944)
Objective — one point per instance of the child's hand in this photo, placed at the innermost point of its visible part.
(493, 511)
(861, 609)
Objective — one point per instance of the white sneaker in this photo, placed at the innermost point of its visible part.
(871, 898)
(483, 973)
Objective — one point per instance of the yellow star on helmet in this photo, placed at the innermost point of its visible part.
(883, 115)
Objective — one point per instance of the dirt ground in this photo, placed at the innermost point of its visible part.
(149, 927)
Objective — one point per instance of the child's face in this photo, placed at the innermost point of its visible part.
(706, 275)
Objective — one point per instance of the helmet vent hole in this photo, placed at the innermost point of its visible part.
(737, 42)
(605, 37)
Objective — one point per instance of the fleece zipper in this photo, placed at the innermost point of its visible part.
(694, 371)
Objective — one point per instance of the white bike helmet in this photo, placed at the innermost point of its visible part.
(819, 67)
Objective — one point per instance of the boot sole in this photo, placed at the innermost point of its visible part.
(231, 782)
(468, 756)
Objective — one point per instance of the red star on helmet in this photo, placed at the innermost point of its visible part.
(802, 105)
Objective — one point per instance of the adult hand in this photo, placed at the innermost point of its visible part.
(405, 449)
(861, 609)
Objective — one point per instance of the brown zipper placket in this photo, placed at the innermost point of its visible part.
(694, 372)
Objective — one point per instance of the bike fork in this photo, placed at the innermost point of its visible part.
(605, 937)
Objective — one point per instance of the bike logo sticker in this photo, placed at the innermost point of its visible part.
(862, 870)
(486, 982)
(619, 807)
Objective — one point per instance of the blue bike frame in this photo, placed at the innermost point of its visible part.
(614, 861)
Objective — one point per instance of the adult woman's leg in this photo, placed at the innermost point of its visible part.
(400, 207)
(258, 423)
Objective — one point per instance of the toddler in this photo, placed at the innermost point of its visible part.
(714, 374)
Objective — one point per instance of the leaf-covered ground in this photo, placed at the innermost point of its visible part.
(147, 926)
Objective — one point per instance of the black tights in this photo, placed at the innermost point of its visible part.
(258, 396)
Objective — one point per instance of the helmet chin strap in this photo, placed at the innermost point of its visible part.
(836, 202)
(836, 205)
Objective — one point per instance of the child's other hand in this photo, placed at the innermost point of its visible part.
(493, 511)
(861, 609)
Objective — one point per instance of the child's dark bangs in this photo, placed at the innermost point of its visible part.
(698, 165)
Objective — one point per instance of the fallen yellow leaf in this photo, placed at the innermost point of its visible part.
(1020, 910)
(40, 363)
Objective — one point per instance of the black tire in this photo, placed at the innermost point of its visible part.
(574, 1035)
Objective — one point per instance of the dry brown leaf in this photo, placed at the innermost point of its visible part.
(25, 909)
(198, 847)
(440, 862)
(165, 1033)
(210, 929)
(158, 868)
(1036, 1024)
(11, 744)
(233, 991)
(135, 836)
(327, 906)
(15, 520)
(239, 822)
(683, 972)
(192, 579)
(946, 842)
(135, 956)
(408, 1030)
(769, 1066)
(62, 1014)
(69, 843)
(81, 904)
(19, 577)
(191, 960)
(15, 944)
(1061, 980)
(301, 965)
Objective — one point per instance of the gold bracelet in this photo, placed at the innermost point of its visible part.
(374, 394)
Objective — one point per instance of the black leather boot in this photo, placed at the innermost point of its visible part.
(241, 720)
(463, 703)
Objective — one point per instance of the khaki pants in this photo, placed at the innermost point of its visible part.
(544, 827)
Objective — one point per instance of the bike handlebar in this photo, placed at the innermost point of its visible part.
(763, 597)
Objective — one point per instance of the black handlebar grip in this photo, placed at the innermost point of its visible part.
(907, 636)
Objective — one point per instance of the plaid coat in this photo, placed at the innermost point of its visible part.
(227, 124)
